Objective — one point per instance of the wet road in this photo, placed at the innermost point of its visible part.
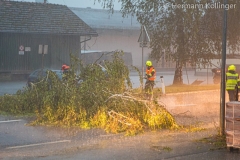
(11, 87)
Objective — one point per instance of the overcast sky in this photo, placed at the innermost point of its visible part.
(79, 3)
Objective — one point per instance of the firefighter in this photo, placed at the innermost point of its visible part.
(65, 70)
(150, 80)
(231, 82)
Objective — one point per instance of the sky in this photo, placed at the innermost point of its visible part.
(79, 3)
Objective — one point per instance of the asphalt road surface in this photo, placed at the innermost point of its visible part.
(11, 87)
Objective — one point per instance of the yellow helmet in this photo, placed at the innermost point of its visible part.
(231, 68)
(149, 63)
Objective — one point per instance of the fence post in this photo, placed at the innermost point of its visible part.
(162, 84)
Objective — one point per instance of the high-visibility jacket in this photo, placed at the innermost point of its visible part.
(231, 81)
(238, 84)
(151, 74)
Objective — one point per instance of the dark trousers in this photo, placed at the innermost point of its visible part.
(237, 91)
(232, 95)
(149, 89)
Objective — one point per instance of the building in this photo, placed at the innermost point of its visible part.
(35, 35)
(114, 33)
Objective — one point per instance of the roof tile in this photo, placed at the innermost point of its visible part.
(44, 18)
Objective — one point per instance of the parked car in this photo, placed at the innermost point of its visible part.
(217, 73)
(40, 74)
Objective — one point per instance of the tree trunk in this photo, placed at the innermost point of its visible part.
(178, 80)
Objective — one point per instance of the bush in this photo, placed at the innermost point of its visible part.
(103, 99)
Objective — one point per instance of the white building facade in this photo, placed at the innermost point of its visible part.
(114, 33)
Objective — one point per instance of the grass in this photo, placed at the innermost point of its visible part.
(217, 141)
(187, 88)
(182, 88)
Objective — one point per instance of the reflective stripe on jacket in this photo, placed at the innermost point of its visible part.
(232, 80)
(150, 72)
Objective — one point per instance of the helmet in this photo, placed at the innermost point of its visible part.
(232, 68)
(67, 67)
(64, 67)
(149, 63)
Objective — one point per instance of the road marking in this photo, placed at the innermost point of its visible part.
(38, 144)
(18, 120)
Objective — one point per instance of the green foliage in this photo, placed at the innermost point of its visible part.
(160, 121)
(99, 119)
(168, 149)
(217, 141)
(157, 117)
(161, 148)
(102, 99)
(194, 128)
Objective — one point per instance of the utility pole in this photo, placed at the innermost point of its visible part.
(223, 74)
(142, 53)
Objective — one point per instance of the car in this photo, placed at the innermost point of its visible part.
(39, 74)
(217, 73)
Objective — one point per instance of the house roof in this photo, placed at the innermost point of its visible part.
(41, 18)
(100, 18)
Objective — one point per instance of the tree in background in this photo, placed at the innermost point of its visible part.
(182, 29)
(213, 21)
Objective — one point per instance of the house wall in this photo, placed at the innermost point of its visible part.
(59, 48)
(119, 39)
(99, 57)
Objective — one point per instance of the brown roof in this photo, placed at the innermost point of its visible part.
(41, 18)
